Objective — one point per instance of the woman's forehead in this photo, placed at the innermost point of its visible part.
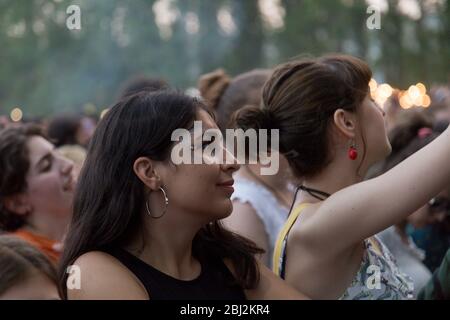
(38, 146)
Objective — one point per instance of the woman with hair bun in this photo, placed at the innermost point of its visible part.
(331, 132)
(260, 202)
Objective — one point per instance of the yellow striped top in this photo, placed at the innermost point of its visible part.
(280, 244)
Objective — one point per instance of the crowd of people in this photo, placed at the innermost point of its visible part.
(359, 208)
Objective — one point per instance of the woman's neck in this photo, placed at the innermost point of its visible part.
(48, 226)
(167, 245)
(336, 176)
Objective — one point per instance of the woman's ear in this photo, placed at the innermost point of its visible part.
(18, 204)
(345, 123)
(144, 169)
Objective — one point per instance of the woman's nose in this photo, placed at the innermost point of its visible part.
(66, 166)
(229, 163)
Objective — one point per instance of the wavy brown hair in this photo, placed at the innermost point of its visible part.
(14, 166)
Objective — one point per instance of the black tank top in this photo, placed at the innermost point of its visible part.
(215, 281)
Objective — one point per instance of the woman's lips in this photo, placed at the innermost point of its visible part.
(227, 185)
(69, 185)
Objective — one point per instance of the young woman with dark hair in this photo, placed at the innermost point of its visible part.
(331, 132)
(36, 188)
(145, 228)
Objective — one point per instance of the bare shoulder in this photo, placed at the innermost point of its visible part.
(103, 277)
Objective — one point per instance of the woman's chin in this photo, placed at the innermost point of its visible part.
(225, 210)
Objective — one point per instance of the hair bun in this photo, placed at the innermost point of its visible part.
(212, 86)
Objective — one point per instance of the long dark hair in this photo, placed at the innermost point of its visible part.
(109, 199)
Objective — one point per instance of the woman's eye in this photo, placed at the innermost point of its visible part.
(47, 165)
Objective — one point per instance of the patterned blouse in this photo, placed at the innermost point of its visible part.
(378, 277)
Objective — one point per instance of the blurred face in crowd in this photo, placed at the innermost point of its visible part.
(50, 180)
(34, 286)
(434, 211)
(85, 131)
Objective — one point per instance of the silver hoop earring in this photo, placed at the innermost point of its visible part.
(166, 203)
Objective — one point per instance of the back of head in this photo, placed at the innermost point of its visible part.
(62, 129)
(300, 99)
(75, 153)
(225, 95)
(142, 83)
(18, 259)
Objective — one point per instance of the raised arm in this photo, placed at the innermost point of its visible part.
(362, 210)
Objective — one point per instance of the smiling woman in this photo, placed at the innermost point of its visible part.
(36, 188)
(146, 228)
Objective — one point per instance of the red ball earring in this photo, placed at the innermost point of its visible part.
(352, 152)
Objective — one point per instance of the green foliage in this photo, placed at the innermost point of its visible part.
(46, 68)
